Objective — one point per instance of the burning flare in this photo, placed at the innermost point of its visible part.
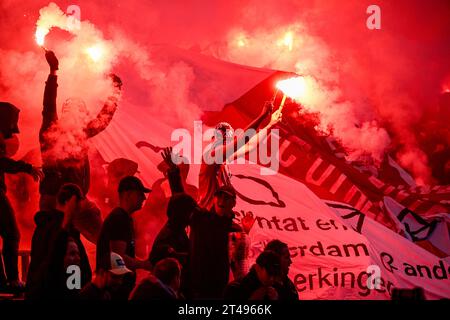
(294, 88)
(87, 46)
(95, 52)
(40, 36)
(288, 40)
(49, 17)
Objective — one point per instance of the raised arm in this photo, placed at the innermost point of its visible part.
(13, 166)
(173, 173)
(105, 115)
(266, 111)
(258, 138)
(228, 149)
(49, 113)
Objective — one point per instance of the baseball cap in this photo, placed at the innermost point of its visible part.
(226, 189)
(132, 183)
(118, 266)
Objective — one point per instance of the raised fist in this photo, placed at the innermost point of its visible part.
(52, 60)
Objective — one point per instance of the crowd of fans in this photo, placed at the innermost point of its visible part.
(191, 256)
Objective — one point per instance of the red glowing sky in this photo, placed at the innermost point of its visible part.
(394, 75)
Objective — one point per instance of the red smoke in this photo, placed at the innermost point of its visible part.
(393, 75)
(387, 80)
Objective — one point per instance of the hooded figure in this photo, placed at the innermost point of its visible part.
(63, 139)
(67, 250)
(64, 147)
(9, 119)
(47, 237)
(9, 231)
(172, 240)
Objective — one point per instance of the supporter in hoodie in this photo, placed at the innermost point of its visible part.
(49, 226)
(64, 147)
(9, 231)
(65, 253)
(172, 240)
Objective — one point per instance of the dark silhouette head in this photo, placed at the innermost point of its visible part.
(168, 271)
(9, 118)
(268, 267)
(69, 197)
(223, 131)
(282, 250)
(132, 193)
(224, 200)
(179, 210)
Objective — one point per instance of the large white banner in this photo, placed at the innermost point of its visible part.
(337, 252)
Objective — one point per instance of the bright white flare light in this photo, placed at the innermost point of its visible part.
(288, 40)
(95, 53)
(40, 36)
(294, 88)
